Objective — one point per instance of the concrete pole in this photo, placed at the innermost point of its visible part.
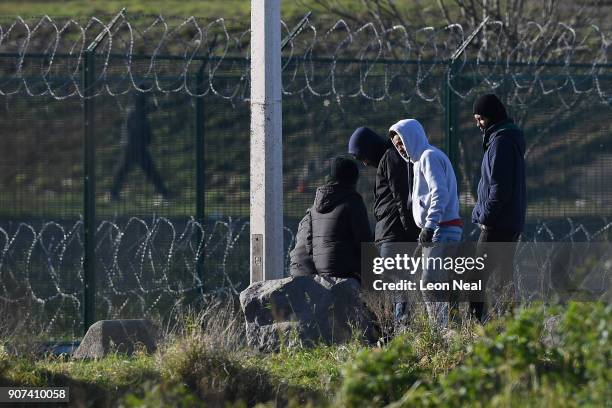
(266, 246)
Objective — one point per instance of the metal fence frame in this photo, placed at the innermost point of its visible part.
(450, 99)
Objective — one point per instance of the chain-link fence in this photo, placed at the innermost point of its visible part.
(157, 122)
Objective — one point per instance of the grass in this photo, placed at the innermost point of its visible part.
(234, 9)
(238, 8)
(317, 369)
(509, 362)
(115, 372)
(96, 382)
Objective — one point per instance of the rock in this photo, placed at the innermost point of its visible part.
(304, 310)
(123, 336)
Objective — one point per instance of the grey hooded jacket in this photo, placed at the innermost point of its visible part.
(434, 192)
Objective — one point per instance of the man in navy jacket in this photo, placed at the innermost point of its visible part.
(501, 205)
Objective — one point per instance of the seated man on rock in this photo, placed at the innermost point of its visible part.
(339, 222)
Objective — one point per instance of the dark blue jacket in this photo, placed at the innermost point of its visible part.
(502, 200)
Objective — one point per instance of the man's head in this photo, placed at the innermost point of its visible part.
(367, 147)
(399, 145)
(488, 110)
(409, 139)
(344, 171)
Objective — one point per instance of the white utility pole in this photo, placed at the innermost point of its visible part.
(266, 246)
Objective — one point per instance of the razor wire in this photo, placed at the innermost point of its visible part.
(137, 271)
(155, 266)
(44, 57)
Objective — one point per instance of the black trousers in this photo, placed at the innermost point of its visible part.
(499, 263)
(140, 156)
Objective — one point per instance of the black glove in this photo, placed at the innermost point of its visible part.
(426, 236)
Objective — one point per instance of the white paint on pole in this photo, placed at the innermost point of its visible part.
(266, 246)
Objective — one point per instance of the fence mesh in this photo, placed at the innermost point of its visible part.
(157, 83)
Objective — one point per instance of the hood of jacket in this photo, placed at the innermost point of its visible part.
(413, 136)
(365, 143)
(509, 129)
(330, 195)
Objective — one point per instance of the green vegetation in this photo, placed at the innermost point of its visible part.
(239, 8)
(231, 9)
(100, 382)
(520, 360)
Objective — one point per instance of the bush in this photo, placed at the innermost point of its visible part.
(516, 368)
(163, 395)
(586, 350)
(377, 377)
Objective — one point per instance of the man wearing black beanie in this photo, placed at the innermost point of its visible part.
(501, 205)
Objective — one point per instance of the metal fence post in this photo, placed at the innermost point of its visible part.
(89, 178)
(199, 152)
(89, 194)
(450, 121)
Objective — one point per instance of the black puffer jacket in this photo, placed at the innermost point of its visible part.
(339, 226)
(301, 255)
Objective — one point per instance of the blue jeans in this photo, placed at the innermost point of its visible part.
(388, 250)
(441, 235)
(438, 311)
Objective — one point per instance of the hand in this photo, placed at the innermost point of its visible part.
(426, 236)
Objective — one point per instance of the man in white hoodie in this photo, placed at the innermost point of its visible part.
(435, 204)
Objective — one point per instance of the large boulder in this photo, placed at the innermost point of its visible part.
(305, 310)
(122, 336)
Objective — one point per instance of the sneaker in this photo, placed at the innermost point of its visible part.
(383, 341)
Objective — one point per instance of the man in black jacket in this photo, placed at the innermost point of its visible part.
(501, 206)
(136, 138)
(392, 195)
(339, 223)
